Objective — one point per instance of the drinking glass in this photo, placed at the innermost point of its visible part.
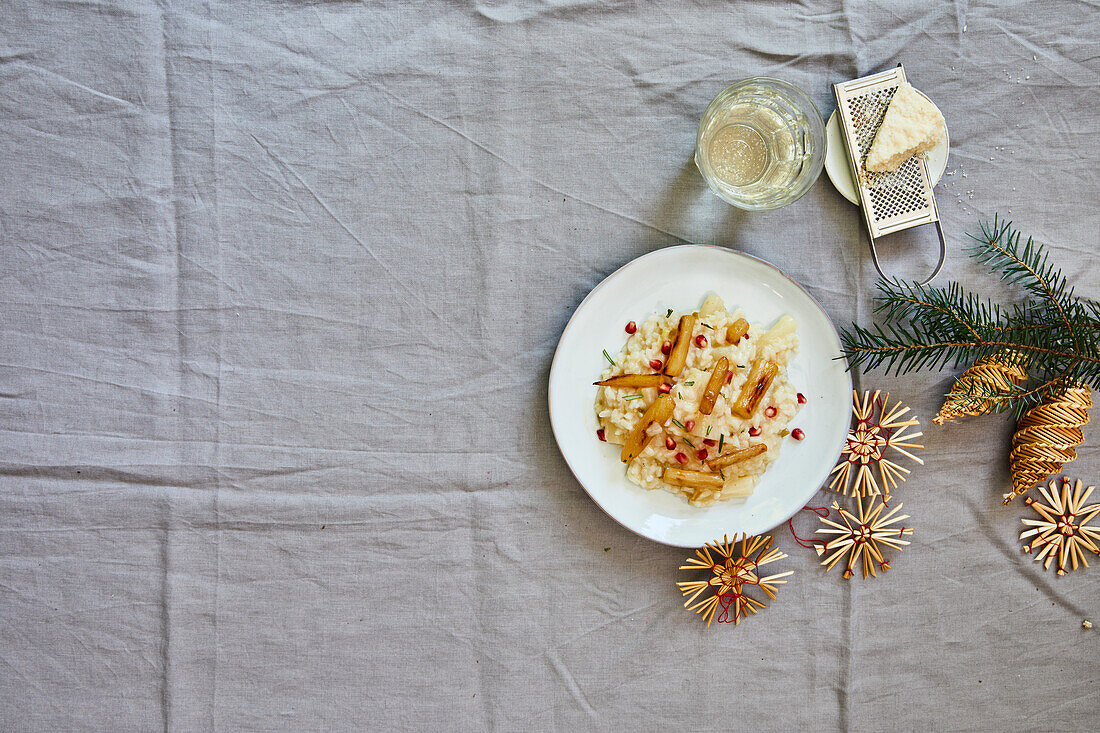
(761, 144)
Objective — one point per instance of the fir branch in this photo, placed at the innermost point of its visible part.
(999, 248)
(904, 350)
(1093, 309)
(1056, 333)
(945, 310)
(901, 349)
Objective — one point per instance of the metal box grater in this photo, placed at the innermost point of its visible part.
(891, 202)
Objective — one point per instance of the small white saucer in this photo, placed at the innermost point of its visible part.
(839, 168)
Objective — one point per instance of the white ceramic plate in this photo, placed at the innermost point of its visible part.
(679, 278)
(839, 167)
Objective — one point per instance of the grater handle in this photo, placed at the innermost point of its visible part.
(939, 265)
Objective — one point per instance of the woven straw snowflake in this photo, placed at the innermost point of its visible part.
(1061, 530)
(731, 574)
(859, 537)
(877, 431)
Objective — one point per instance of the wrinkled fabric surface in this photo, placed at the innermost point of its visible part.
(281, 284)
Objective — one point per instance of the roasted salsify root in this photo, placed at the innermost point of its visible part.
(635, 381)
(736, 330)
(678, 356)
(714, 386)
(692, 479)
(736, 456)
(659, 412)
(760, 379)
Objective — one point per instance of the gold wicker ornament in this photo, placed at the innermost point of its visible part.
(1061, 530)
(1001, 372)
(731, 574)
(1046, 438)
(859, 537)
(877, 431)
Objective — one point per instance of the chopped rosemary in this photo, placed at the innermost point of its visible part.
(708, 429)
(678, 395)
(679, 424)
(707, 325)
(722, 474)
(632, 397)
(669, 313)
(608, 357)
(688, 384)
(740, 366)
(688, 442)
(721, 442)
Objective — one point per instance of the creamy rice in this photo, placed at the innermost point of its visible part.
(618, 414)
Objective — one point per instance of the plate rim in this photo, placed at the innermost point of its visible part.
(572, 321)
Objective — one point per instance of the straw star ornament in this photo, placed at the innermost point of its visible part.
(877, 432)
(731, 573)
(859, 538)
(1061, 531)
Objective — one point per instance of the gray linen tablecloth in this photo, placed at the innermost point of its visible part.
(281, 283)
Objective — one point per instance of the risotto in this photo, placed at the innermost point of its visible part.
(700, 402)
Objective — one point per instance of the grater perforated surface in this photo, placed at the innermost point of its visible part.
(891, 194)
(891, 202)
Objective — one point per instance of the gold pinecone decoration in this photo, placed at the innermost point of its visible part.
(1046, 438)
(1001, 371)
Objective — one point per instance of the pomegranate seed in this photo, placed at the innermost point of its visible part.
(670, 443)
(746, 337)
(655, 364)
(600, 435)
(683, 459)
(770, 411)
(797, 434)
(701, 454)
(708, 441)
(754, 432)
(665, 388)
(666, 348)
(631, 327)
(700, 341)
(690, 425)
(801, 398)
(729, 377)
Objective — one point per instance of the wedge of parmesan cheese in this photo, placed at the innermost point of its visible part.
(912, 126)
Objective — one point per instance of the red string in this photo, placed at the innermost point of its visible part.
(790, 524)
(725, 601)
